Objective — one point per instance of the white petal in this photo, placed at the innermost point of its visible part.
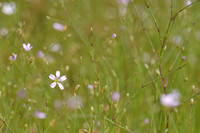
(57, 74)
(63, 78)
(52, 85)
(28, 45)
(51, 76)
(24, 45)
(61, 86)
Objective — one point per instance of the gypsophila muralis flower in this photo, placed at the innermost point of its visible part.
(114, 35)
(13, 57)
(57, 80)
(170, 100)
(40, 115)
(27, 47)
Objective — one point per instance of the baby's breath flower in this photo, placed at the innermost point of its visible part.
(57, 79)
(27, 47)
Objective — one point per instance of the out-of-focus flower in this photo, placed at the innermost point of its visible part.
(146, 121)
(4, 32)
(40, 115)
(183, 58)
(40, 54)
(124, 2)
(115, 96)
(114, 35)
(27, 47)
(9, 8)
(188, 2)
(74, 102)
(59, 26)
(170, 100)
(91, 87)
(57, 104)
(13, 57)
(21, 94)
(55, 48)
(57, 79)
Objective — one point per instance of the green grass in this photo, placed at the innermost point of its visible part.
(143, 62)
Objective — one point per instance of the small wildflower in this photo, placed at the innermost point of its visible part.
(9, 8)
(56, 48)
(40, 54)
(115, 96)
(13, 57)
(27, 47)
(170, 100)
(183, 58)
(21, 94)
(74, 102)
(59, 27)
(188, 2)
(146, 121)
(123, 2)
(114, 35)
(91, 87)
(40, 115)
(4, 32)
(57, 79)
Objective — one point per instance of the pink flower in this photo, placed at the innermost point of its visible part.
(13, 57)
(40, 115)
(170, 100)
(59, 27)
(27, 47)
(115, 96)
(114, 35)
(40, 54)
(91, 87)
(57, 79)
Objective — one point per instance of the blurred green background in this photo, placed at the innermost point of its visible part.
(112, 64)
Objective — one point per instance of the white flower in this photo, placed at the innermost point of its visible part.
(57, 79)
(188, 2)
(9, 8)
(56, 48)
(40, 115)
(170, 100)
(59, 27)
(27, 47)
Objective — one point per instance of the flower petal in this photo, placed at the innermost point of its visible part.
(24, 46)
(15, 56)
(57, 74)
(51, 76)
(63, 78)
(11, 58)
(28, 45)
(52, 85)
(61, 86)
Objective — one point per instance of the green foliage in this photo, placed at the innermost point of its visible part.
(143, 62)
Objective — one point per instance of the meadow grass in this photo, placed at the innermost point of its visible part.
(120, 57)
